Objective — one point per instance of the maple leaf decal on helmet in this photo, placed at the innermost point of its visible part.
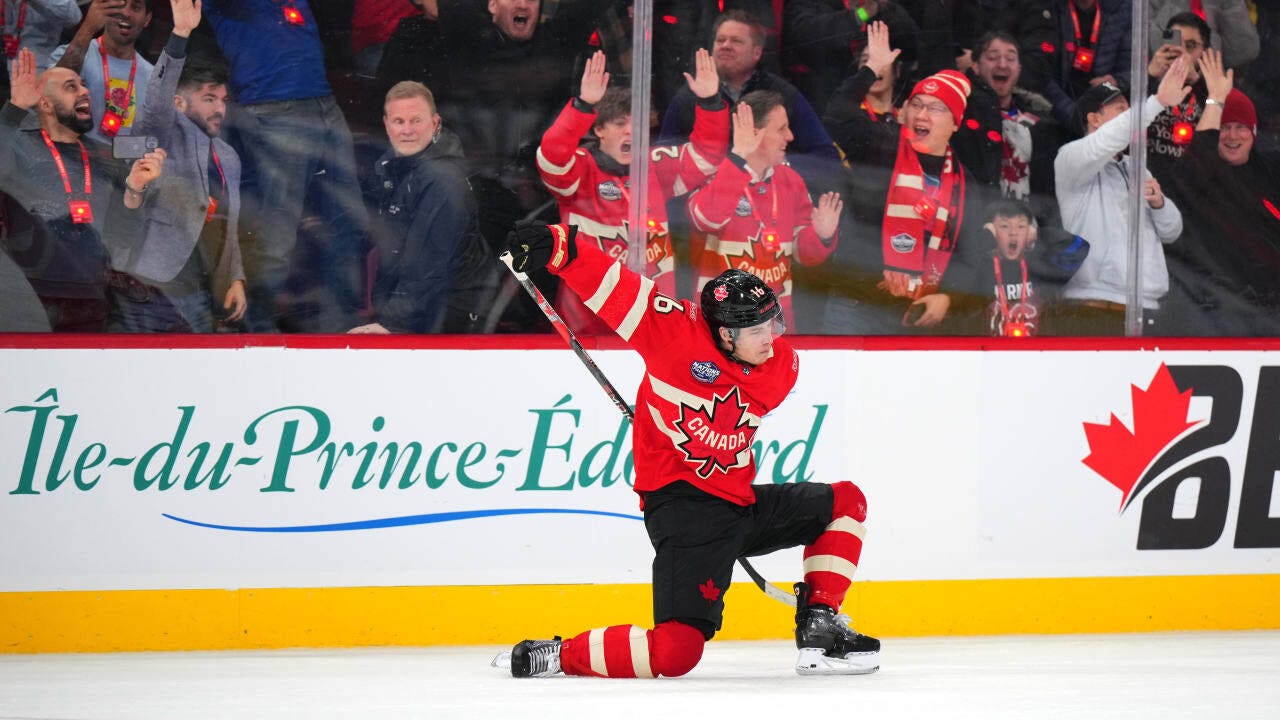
(718, 440)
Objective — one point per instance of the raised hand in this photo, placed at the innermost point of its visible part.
(705, 81)
(880, 56)
(826, 215)
(1218, 81)
(146, 169)
(1173, 87)
(100, 11)
(1163, 59)
(186, 16)
(746, 136)
(24, 82)
(594, 79)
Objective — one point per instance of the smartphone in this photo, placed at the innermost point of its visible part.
(1172, 36)
(132, 147)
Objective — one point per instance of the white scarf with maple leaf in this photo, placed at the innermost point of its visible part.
(1015, 165)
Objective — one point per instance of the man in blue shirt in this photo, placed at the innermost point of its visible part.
(297, 150)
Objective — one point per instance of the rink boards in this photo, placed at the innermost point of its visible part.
(335, 492)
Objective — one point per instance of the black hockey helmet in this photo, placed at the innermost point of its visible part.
(738, 299)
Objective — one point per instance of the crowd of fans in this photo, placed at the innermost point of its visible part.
(886, 166)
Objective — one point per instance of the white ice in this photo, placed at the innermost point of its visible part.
(1133, 676)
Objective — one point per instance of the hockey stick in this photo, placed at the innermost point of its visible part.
(545, 306)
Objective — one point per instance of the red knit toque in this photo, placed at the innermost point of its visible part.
(949, 86)
(1239, 109)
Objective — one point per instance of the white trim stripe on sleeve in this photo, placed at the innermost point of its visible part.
(552, 168)
(633, 317)
(607, 285)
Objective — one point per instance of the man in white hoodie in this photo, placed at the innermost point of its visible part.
(1093, 185)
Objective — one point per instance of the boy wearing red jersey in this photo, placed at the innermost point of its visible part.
(592, 184)
(712, 372)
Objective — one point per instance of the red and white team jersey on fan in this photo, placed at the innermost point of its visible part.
(598, 202)
(757, 224)
(697, 411)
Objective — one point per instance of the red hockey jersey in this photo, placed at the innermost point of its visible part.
(758, 225)
(599, 201)
(697, 411)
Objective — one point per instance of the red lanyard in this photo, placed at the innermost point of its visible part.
(106, 81)
(1180, 110)
(1097, 23)
(62, 169)
(218, 164)
(1000, 293)
(870, 113)
(22, 16)
(771, 243)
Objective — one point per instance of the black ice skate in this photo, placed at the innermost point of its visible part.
(828, 646)
(532, 658)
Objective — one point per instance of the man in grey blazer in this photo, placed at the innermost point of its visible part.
(190, 252)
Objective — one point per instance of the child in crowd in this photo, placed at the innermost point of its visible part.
(1027, 270)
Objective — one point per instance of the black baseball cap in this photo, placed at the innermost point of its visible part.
(1096, 97)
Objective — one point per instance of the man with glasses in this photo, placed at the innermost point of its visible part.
(712, 372)
(1186, 35)
(1234, 33)
(912, 232)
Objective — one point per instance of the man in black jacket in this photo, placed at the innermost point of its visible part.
(432, 271)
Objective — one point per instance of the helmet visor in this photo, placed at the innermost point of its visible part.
(774, 327)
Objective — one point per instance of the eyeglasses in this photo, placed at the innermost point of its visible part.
(1192, 45)
(932, 108)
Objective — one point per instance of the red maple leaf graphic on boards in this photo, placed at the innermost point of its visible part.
(709, 591)
(714, 439)
(1159, 416)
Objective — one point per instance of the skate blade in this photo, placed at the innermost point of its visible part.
(812, 661)
(501, 660)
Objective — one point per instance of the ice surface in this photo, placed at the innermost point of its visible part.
(1131, 676)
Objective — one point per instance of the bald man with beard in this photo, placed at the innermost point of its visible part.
(68, 202)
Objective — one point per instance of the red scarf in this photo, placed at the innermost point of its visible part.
(920, 225)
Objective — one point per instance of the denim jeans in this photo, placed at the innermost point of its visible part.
(847, 316)
(298, 157)
(160, 313)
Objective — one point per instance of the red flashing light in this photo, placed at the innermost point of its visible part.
(1182, 132)
(670, 19)
(293, 16)
(595, 39)
(971, 123)
(653, 223)
(994, 136)
(1047, 48)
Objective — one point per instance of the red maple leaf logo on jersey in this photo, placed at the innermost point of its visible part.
(709, 591)
(713, 440)
(1159, 416)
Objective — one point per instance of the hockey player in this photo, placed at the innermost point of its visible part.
(592, 184)
(712, 372)
(756, 211)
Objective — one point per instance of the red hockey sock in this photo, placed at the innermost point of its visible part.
(829, 563)
(628, 651)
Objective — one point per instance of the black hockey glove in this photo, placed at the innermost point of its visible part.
(536, 246)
